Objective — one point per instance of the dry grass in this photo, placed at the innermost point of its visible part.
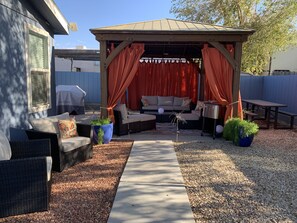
(85, 192)
(226, 183)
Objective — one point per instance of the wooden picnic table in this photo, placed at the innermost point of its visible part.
(267, 105)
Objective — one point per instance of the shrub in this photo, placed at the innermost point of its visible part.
(236, 128)
(229, 128)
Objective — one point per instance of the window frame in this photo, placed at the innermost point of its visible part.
(47, 71)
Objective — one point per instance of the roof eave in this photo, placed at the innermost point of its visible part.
(158, 32)
(49, 10)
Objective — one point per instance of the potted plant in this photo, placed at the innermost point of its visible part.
(103, 130)
(241, 132)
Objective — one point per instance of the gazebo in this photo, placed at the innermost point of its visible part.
(169, 38)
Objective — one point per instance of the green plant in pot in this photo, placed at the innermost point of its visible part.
(241, 132)
(103, 129)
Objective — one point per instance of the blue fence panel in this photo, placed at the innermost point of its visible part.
(251, 87)
(281, 89)
(88, 81)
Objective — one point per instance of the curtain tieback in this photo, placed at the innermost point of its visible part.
(235, 102)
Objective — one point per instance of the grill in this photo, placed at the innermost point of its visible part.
(211, 110)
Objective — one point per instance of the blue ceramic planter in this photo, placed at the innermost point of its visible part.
(246, 141)
(107, 130)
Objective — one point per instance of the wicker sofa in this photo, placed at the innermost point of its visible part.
(25, 177)
(130, 123)
(65, 152)
(167, 103)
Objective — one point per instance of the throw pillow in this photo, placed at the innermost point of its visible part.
(5, 150)
(67, 128)
(145, 102)
(199, 106)
(186, 102)
(123, 109)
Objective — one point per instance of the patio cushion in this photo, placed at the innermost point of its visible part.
(150, 107)
(72, 143)
(152, 100)
(165, 100)
(5, 150)
(67, 128)
(49, 163)
(166, 107)
(48, 124)
(190, 116)
(123, 109)
(177, 101)
(180, 108)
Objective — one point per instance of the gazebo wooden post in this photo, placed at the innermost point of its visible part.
(103, 76)
(236, 76)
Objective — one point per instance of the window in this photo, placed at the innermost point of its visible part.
(38, 79)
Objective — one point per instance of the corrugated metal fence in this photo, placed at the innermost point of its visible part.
(280, 89)
(88, 81)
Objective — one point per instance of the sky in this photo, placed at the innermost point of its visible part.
(90, 14)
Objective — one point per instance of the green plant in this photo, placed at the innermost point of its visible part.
(236, 128)
(100, 121)
(229, 128)
(100, 136)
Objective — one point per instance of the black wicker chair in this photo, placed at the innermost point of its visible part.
(24, 185)
(61, 159)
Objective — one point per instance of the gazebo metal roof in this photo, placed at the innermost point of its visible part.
(167, 25)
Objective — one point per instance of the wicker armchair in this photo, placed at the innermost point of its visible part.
(63, 159)
(24, 183)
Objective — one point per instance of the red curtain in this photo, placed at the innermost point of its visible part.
(219, 79)
(121, 72)
(169, 78)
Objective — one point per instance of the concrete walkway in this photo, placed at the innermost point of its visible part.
(151, 188)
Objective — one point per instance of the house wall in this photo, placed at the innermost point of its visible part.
(285, 60)
(14, 15)
(85, 66)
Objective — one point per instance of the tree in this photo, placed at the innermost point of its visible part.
(273, 20)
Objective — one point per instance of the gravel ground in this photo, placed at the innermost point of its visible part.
(84, 192)
(226, 183)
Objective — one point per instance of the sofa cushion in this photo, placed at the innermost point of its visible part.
(142, 117)
(166, 107)
(49, 163)
(5, 150)
(150, 107)
(146, 117)
(67, 128)
(152, 100)
(48, 124)
(178, 101)
(123, 109)
(72, 143)
(180, 108)
(189, 116)
(165, 100)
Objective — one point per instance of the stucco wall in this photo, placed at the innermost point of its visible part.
(285, 60)
(14, 15)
